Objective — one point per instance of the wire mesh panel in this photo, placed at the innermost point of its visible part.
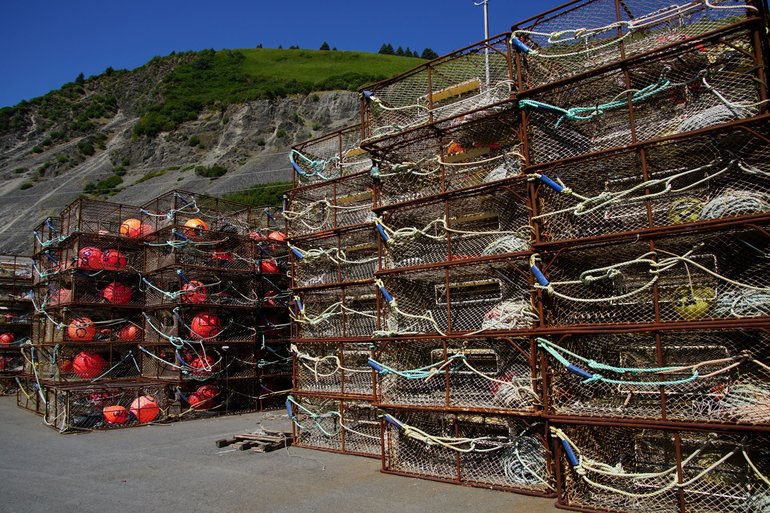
(488, 451)
(84, 288)
(463, 81)
(91, 407)
(200, 287)
(199, 362)
(701, 376)
(693, 88)
(47, 234)
(92, 363)
(343, 257)
(484, 223)
(582, 36)
(346, 201)
(466, 151)
(718, 175)
(228, 253)
(194, 215)
(475, 373)
(87, 216)
(196, 326)
(348, 311)
(333, 368)
(350, 427)
(331, 156)
(78, 325)
(635, 470)
(28, 395)
(467, 299)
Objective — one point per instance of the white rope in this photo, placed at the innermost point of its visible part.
(317, 361)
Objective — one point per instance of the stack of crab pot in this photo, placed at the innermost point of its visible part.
(83, 363)
(334, 254)
(647, 135)
(15, 318)
(213, 291)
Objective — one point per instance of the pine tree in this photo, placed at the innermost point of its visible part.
(386, 49)
(324, 46)
(400, 51)
(429, 54)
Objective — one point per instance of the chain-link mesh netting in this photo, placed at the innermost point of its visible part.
(580, 37)
(345, 426)
(701, 375)
(83, 408)
(489, 296)
(194, 215)
(474, 373)
(635, 470)
(463, 81)
(484, 223)
(230, 253)
(200, 287)
(80, 325)
(89, 288)
(333, 368)
(96, 217)
(342, 257)
(347, 311)
(688, 278)
(339, 203)
(93, 363)
(464, 152)
(718, 175)
(479, 450)
(330, 156)
(205, 362)
(188, 326)
(698, 87)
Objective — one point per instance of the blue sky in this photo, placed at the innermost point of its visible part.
(46, 44)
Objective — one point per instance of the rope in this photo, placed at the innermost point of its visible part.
(457, 444)
(321, 360)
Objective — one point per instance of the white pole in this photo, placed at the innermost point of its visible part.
(485, 3)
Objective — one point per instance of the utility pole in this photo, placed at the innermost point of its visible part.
(485, 3)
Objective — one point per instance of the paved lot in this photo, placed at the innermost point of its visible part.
(177, 468)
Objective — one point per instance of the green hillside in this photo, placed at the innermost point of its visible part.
(212, 78)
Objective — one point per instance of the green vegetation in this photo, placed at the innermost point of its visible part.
(20, 170)
(26, 185)
(107, 186)
(212, 78)
(212, 172)
(262, 195)
(194, 140)
(151, 175)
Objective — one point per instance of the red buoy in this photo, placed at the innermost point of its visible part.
(114, 260)
(203, 366)
(88, 365)
(205, 325)
(145, 409)
(81, 328)
(90, 258)
(6, 339)
(129, 332)
(194, 292)
(115, 414)
(117, 293)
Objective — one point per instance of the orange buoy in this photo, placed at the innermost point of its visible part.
(131, 228)
(145, 409)
(269, 266)
(194, 292)
(81, 328)
(117, 293)
(115, 414)
(90, 258)
(195, 227)
(129, 332)
(114, 260)
(207, 391)
(205, 325)
(6, 339)
(88, 365)
(277, 236)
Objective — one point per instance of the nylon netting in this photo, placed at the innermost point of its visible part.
(350, 311)
(337, 258)
(333, 368)
(331, 156)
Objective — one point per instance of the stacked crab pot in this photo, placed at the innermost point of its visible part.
(16, 319)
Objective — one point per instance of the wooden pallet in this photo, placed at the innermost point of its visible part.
(263, 441)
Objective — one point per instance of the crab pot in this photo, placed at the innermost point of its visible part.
(330, 156)
(341, 312)
(91, 362)
(346, 426)
(720, 174)
(475, 373)
(335, 368)
(172, 249)
(196, 326)
(467, 299)
(194, 287)
(463, 152)
(336, 258)
(13, 365)
(194, 215)
(694, 277)
(670, 97)
(470, 79)
(9, 386)
(77, 408)
(199, 362)
(104, 288)
(479, 224)
(338, 203)
(92, 217)
(636, 470)
(582, 36)
(28, 396)
(495, 451)
(636, 379)
(266, 220)
(47, 234)
(81, 325)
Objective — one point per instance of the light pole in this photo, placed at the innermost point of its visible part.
(485, 3)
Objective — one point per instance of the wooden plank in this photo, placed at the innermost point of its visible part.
(468, 86)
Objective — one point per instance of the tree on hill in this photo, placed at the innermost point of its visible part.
(386, 49)
(324, 46)
(428, 54)
(400, 51)
(80, 78)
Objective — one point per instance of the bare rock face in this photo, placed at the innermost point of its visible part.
(41, 175)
